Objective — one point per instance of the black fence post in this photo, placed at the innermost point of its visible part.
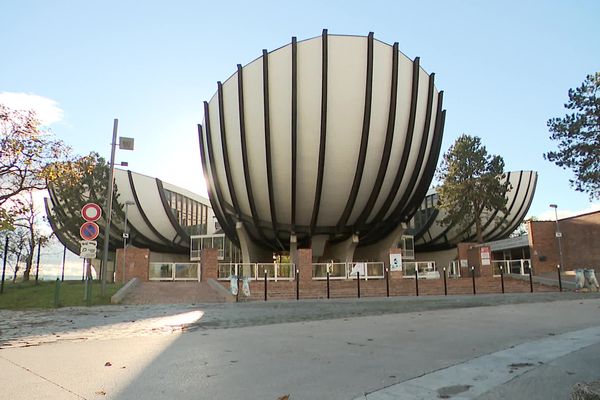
(559, 279)
(417, 280)
(4, 264)
(358, 283)
(37, 265)
(297, 284)
(57, 293)
(502, 278)
(327, 284)
(265, 285)
(387, 282)
(473, 276)
(445, 286)
(89, 293)
(530, 280)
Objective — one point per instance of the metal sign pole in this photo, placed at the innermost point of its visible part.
(109, 198)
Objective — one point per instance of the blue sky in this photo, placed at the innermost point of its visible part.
(505, 67)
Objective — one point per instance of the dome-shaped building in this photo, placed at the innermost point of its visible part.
(321, 142)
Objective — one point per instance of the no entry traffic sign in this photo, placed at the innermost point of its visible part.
(91, 212)
(89, 230)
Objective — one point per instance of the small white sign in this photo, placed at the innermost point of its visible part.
(87, 249)
(395, 262)
(359, 268)
(558, 234)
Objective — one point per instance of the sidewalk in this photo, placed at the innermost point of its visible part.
(337, 349)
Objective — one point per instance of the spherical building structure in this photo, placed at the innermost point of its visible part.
(324, 140)
(431, 235)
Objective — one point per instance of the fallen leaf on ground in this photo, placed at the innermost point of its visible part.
(108, 364)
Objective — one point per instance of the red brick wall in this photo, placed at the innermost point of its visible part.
(137, 264)
(208, 264)
(580, 243)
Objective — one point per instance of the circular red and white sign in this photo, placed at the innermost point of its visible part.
(89, 230)
(91, 212)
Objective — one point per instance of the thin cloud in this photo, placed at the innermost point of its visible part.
(47, 110)
(549, 214)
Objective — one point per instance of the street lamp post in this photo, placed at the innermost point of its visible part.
(125, 237)
(124, 144)
(558, 234)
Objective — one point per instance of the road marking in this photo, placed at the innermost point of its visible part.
(479, 375)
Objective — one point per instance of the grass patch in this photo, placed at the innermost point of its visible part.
(24, 295)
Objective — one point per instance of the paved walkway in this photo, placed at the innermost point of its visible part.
(36, 327)
(363, 347)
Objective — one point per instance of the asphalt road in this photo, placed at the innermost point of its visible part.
(532, 346)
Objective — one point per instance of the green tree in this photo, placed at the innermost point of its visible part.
(90, 187)
(578, 136)
(473, 184)
(29, 159)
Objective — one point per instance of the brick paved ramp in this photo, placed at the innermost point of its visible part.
(173, 293)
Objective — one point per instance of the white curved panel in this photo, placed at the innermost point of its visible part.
(346, 82)
(234, 144)
(152, 206)
(405, 67)
(255, 136)
(134, 216)
(309, 126)
(217, 149)
(380, 106)
(418, 141)
(280, 95)
(499, 224)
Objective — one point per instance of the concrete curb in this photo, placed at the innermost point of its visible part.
(221, 291)
(124, 291)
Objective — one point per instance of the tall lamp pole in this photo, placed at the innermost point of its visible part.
(124, 144)
(125, 237)
(558, 234)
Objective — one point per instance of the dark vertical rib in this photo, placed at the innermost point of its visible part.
(320, 171)
(143, 213)
(389, 138)
(407, 144)
(403, 206)
(243, 142)
(364, 141)
(429, 171)
(266, 115)
(518, 216)
(220, 203)
(294, 126)
(225, 151)
(163, 199)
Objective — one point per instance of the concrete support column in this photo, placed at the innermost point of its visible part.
(380, 250)
(251, 252)
(317, 244)
(343, 251)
